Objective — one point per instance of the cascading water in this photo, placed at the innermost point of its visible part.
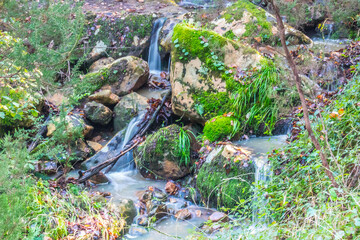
(154, 55)
(125, 163)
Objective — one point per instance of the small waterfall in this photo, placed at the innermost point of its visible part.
(154, 55)
(126, 163)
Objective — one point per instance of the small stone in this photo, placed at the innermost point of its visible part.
(105, 97)
(218, 217)
(183, 214)
(171, 188)
(95, 146)
(98, 113)
(141, 1)
(99, 178)
(198, 213)
(172, 200)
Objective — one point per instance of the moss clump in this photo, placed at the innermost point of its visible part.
(222, 182)
(219, 127)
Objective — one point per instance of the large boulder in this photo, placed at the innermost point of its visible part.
(226, 177)
(98, 113)
(101, 63)
(245, 21)
(121, 76)
(129, 106)
(160, 156)
(200, 76)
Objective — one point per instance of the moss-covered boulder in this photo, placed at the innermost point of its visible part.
(244, 20)
(226, 177)
(98, 113)
(129, 106)
(200, 71)
(160, 155)
(122, 76)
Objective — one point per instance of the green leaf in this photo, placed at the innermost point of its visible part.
(2, 115)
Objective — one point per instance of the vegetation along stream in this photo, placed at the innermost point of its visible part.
(185, 119)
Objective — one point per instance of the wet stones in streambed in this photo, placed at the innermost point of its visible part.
(99, 178)
(98, 113)
(183, 214)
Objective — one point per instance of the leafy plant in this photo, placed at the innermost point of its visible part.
(184, 148)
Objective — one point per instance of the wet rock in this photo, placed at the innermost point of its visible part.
(127, 209)
(105, 97)
(128, 74)
(171, 188)
(98, 113)
(143, 221)
(158, 155)
(183, 214)
(226, 162)
(219, 217)
(158, 211)
(128, 107)
(71, 122)
(99, 178)
(95, 146)
(101, 63)
(159, 195)
(47, 167)
(80, 149)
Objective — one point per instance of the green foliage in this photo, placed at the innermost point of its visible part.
(220, 127)
(55, 211)
(184, 147)
(14, 184)
(254, 101)
(301, 202)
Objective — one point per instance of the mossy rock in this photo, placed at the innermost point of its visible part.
(123, 75)
(98, 113)
(159, 157)
(224, 180)
(245, 21)
(199, 76)
(219, 127)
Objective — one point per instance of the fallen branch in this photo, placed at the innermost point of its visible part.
(136, 140)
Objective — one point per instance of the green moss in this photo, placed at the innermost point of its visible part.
(219, 127)
(222, 182)
(198, 43)
(230, 35)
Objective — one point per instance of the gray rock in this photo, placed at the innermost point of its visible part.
(98, 113)
(127, 210)
(128, 107)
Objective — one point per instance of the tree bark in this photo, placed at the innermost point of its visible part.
(293, 67)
